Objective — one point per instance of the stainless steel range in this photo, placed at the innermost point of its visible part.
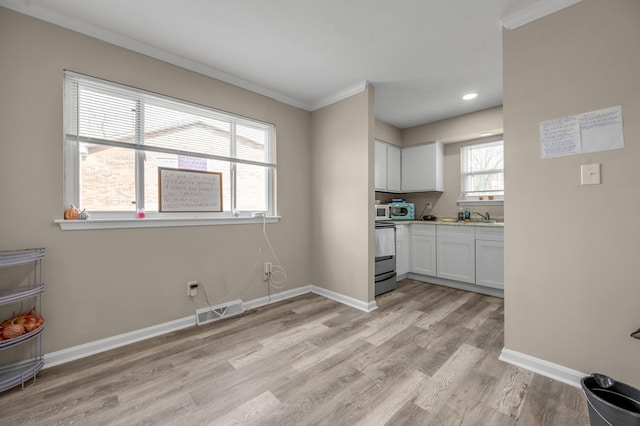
(385, 257)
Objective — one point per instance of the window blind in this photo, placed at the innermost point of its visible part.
(106, 113)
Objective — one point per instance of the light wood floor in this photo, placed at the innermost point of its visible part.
(427, 356)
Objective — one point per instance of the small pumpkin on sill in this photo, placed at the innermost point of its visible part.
(71, 213)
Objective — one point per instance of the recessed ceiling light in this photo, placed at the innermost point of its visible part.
(470, 96)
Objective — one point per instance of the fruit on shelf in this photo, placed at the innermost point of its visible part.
(72, 213)
(13, 330)
(20, 324)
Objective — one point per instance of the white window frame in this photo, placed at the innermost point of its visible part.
(128, 219)
(465, 197)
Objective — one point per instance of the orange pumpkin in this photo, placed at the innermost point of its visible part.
(71, 213)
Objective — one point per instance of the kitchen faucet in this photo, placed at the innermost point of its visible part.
(483, 216)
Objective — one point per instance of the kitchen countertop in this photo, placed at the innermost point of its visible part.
(454, 223)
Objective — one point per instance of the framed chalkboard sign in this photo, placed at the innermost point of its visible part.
(181, 190)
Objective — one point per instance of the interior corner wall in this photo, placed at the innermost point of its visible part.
(571, 251)
(342, 232)
(103, 283)
(387, 133)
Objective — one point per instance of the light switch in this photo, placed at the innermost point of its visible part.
(590, 174)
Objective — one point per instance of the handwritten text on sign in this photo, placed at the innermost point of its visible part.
(189, 190)
(589, 132)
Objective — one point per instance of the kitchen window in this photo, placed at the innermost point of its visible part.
(482, 167)
(116, 138)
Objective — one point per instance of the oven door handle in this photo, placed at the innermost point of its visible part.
(383, 258)
(385, 276)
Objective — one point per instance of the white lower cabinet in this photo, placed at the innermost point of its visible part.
(462, 253)
(456, 253)
(490, 257)
(402, 249)
(423, 249)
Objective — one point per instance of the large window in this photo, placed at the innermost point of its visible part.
(482, 171)
(116, 137)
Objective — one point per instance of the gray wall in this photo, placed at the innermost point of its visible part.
(342, 173)
(571, 251)
(388, 133)
(108, 282)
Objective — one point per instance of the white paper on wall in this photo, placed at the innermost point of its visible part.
(589, 132)
(560, 136)
(602, 130)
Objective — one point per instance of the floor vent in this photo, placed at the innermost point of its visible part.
(215, 313)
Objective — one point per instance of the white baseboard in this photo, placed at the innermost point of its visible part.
(102, 345)
(489, 291)
(276, 297)
(345, 300)
(87, 349)
(545, 368)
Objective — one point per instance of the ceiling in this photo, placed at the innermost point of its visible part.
(422, 56)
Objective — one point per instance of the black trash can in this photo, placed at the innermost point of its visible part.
(611, 403)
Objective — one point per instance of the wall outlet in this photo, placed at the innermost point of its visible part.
(429, 205)
(267, 271)
(192, 288)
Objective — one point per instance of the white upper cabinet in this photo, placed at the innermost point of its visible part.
(387, 167)
(393, 168)
(423, 167)
(381, 166)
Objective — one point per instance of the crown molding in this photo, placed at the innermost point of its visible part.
(535, 11)
(338, 96)
(28, 8)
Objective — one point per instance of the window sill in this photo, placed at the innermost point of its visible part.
(480, 203)
(125, 223)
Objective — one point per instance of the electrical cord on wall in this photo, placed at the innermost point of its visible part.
(277, 278)
(238, 290)
(276, 268)
(213, 311)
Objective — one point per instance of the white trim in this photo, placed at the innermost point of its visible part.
(480, 202)
(149, 222)
(102, 345)
(87, 349)
(276, 297)
(31, 9)
(535, 11)
(540, 366)
(345, 300)
(489, 291)
(338, 96)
